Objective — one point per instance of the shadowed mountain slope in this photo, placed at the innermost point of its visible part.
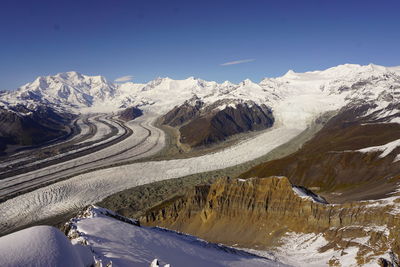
(28, 127)
(201, 125)
(337, 159)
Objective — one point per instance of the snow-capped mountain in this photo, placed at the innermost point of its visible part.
(70, 89)
(306, 93)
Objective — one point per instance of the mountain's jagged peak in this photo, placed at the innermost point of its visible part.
(69, 74)
(72, 78)
(290, 74)
(68, 89)
(247, 82)
(193, 78)
(227, 83)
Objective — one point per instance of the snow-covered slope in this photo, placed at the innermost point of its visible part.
(70, 89)
(100, 237)
(123, 243)
(42, 246)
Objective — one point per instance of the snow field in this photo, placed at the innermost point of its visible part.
(42, 246)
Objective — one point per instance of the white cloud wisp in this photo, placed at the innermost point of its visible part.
(237, 62)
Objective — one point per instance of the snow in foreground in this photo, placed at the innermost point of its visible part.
(103, 238)
(42, 246)
(125, 244)
(309, 250)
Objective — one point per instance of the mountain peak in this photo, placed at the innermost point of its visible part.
(227, 83)
(68, 75)
(290, 72)
(73, 73)
(374, 67)
(247, 82)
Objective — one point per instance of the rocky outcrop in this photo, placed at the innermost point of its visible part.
(184, 113)
(260, 212)
(201, 125)
(130, 113)
(25, 127)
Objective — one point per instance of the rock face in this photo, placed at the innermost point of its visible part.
(25, 127)
(260, 212)
(184, 113)
(130, 113)
(334, 160)
(202, 125)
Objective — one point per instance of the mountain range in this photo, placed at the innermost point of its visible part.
(78, 92)
(294, 99)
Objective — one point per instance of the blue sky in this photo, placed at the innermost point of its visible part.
(178, 39)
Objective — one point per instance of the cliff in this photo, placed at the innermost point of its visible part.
(260, 213)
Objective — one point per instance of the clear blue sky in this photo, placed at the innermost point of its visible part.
(178, 39)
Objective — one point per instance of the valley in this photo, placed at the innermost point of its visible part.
(200, 133)
(137, 151)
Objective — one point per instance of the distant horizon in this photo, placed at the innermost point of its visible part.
(184, 78)
(215, 40)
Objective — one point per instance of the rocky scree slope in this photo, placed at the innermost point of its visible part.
(260, 213)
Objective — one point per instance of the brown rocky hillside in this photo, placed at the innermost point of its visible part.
(268, 213)
(331, 165)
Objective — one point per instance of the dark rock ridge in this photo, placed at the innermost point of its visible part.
(23, 126)
(130, 113)
(181, 114)
(201, 125)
